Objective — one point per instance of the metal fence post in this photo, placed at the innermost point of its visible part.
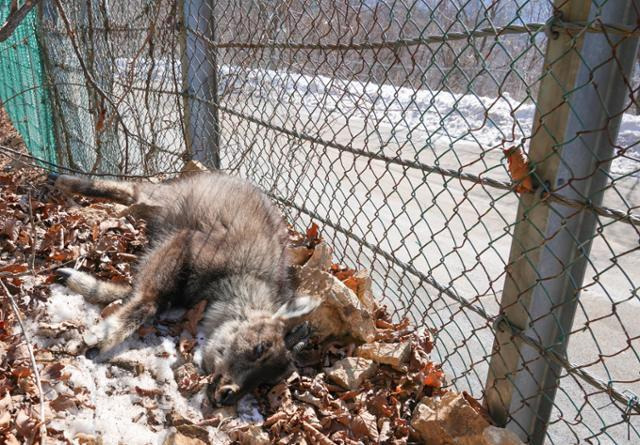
(579, 108)
(199, 73)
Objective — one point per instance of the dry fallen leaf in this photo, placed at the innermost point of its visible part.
(351, 283)
(151, 392)
(188, 379)
(193, 317)
(433, 376)
(519, 169)
(312, 234)
(63, 402)
(102, 112)
(54, 373)
(21, 372)
(14, 268)
(364, 425)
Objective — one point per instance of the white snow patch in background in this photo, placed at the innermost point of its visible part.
(445, 117)
(629, 140)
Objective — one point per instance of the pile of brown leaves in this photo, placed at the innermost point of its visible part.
(348, 393)
(377, 408)
(40, 231)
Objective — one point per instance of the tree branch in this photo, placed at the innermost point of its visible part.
(16, 16)
(34, 364)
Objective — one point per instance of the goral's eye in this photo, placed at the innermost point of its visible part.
(261, 348)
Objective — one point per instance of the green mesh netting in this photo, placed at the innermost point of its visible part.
(22, 88)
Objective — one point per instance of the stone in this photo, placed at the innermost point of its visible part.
(492, 435)
(350, 372)
(364, 293)
(392, 354)
(447, 419)
(299, 255)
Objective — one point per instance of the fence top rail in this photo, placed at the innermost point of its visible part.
(553, 25)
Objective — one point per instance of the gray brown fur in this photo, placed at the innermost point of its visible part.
(213, 237)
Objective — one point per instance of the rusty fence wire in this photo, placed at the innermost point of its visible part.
(386, 122)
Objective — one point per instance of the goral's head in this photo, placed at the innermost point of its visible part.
(244, 353)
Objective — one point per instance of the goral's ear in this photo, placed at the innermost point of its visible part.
(300, 306)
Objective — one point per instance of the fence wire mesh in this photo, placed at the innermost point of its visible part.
(114, 74)
(386, 122)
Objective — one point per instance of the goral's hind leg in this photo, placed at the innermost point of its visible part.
(124, 192)
(94, 291)
(160, 278)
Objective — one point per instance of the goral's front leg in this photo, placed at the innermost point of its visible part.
(116, 328)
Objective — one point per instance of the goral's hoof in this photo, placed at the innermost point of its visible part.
(92, 353)
(62, 275)
(298, 337)
(51, 178)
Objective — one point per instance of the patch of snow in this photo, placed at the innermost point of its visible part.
(248, 409)
(111, 406)
(441, 116)
(79, 377)
(628, 160)
(65, 305)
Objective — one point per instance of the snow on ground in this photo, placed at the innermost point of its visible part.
(113, 409)
(446, 117)
(127, 399)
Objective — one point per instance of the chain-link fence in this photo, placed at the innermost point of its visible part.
(114, 75)
(387, 123)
